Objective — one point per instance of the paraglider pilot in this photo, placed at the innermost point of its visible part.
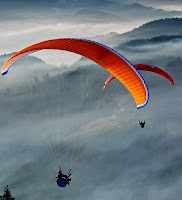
(142, 124)
(62, 179)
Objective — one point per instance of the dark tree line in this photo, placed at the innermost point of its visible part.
(154, 40)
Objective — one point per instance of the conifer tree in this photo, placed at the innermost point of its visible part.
(7, 194)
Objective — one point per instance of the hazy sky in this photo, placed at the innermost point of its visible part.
(163, 4)
(46, 4)
(23, 23)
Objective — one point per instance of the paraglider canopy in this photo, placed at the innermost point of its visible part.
(145, 68)
(103, 55)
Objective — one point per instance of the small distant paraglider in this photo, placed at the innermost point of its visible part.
(142, 124)
(145, 68)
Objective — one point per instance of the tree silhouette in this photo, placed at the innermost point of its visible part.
(7, 194)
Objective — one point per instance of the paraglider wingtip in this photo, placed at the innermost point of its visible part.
(3, 73)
